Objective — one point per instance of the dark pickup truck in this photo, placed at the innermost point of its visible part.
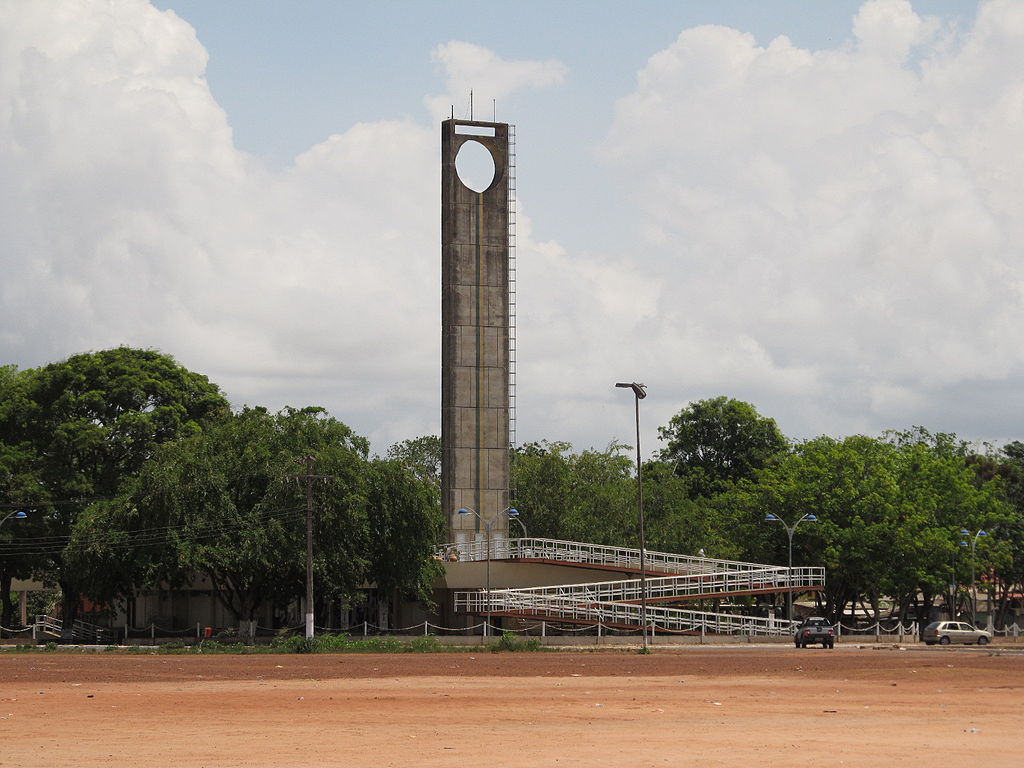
(815, 630)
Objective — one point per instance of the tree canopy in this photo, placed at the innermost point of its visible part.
(136, 473)
(73, 432)
(234, 505)
(714, 443)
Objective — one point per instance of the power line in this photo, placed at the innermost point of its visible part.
(51, 503)
(126, 539)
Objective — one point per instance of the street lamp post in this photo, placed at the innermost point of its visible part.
(639, 393)
(790, 530)
(487, 529)
(974, 590)
(17, 515)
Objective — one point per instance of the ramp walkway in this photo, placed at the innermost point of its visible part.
(670, 578)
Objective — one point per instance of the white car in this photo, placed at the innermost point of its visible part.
(946, 632)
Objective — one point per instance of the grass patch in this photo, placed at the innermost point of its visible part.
(509, 642)
(327, 643)
(344, 643)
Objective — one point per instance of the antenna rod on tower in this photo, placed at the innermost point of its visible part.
(470, 103)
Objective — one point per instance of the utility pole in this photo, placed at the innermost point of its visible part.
(307, 462)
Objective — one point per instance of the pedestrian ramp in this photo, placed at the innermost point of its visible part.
(671, 580)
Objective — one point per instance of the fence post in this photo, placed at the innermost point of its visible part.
(599, 628)
(424, 628)
(197, 631)
(152, 633)
(878, 631)
(544, 629)
(702, 632)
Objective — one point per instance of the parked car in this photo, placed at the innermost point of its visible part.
(946, 632)
(815, 629)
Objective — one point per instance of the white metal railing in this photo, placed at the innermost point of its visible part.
(694, 585)
(501, 548)
(616, 602)
(80, 630)
(622, 614)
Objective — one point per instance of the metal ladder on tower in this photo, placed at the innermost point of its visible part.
(512, 288)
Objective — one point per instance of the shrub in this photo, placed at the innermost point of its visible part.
(424, 644)
(509, 642)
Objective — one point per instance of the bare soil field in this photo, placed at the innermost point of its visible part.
(716, 706)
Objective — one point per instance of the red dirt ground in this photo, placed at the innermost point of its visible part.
(719, 706)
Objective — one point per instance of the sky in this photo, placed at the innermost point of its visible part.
(813, 207)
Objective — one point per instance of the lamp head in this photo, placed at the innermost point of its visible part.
(20, 514)
(513, 513)
(964, 544)
(983, 533)
(638, 389)
(811, 518)
(964, 532)
(771, 516)
(465, 511)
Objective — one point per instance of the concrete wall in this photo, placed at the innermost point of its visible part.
(475, 336)
(519, 575)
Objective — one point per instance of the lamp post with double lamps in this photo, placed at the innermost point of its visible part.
(639, 393)
(18, 515)
(487, 530)
(790, 530)
(974, 590)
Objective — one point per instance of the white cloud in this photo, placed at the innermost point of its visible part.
(833, 235)
(130, 217)
(841, 225)
(890, 29)
(468, 67)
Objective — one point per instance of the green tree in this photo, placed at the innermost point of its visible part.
(541, 479)
(420, 455)
(405, 524)
(591, 496)
(715, 443)
(231, 508)
(588, 496)
(675, 522)
(234, 512)
(74, 431)
(889, 512)
(15, 484)
(847, 484)
(941, 494)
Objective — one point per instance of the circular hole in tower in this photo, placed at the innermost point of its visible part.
(475, 166)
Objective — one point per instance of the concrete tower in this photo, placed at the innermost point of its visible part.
(475, 323)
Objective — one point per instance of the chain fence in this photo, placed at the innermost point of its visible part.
(49, 628)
